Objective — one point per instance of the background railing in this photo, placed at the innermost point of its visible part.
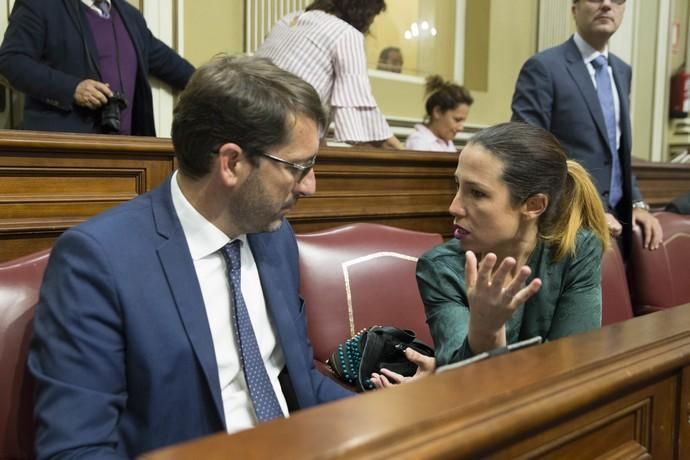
(260, 15)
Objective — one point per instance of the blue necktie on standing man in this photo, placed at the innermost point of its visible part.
(605, 94)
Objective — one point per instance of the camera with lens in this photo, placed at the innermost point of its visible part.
(110, 113)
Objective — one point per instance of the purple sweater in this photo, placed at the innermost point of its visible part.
(115, 48)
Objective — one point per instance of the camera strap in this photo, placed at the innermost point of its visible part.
(117, 51)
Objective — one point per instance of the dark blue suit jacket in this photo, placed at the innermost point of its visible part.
(555, 91)
(122, 352)
(44, 55)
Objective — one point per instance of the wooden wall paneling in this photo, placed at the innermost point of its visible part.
(404, 189)
(660, 183)
(631, 426)
(52, 181)
(683, 452)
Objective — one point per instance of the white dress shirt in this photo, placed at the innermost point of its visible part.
(92, 4)
(205, 241)
(588, 55)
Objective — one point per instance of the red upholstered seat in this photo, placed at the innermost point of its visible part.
(361, 275)
(616, 305)
(20, 281)
(661, 279)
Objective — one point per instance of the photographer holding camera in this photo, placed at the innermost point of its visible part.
(84, 65)
(96, 95)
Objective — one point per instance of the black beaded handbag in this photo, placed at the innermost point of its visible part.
(374, 348)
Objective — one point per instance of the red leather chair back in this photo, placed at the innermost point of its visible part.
(616, 305)
(661, 279)
(20, 281)
(361, 275)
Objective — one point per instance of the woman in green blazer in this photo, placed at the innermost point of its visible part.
(529, 233)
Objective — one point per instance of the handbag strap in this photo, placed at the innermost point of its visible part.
(405, 336)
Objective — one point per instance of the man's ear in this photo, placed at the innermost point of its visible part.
(535, 206)
(229, 166)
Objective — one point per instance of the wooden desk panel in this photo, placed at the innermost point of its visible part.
(402, 189)
(635, 424)
(660, 183)
(51, 181)
(684, 415)
(613, 391)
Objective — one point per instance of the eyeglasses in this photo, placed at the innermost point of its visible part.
(299, 170)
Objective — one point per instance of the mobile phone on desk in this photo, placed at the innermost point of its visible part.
(536, 340)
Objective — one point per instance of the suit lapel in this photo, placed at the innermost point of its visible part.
(183, 282)
(277, 296)
(81, 24)
(620, 76)
(136, 43)
(578, 71)
(618, 68)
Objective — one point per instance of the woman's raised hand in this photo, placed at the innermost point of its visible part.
(493, 297)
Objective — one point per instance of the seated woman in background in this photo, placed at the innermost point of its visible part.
(447, 108)
(324, 45)
(526, 259)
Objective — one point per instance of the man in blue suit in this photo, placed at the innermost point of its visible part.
(557, 90)
(69, 57)
(139, 338)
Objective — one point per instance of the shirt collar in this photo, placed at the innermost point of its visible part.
(425, 129)
(92, 3)
(203, 238)
(588, 53)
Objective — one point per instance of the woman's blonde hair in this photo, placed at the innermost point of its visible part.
(580, 206)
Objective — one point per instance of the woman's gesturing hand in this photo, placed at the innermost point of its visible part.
(493, 297)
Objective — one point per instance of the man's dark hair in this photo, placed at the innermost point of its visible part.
(241, 99)
(358, 13)
(385, 53)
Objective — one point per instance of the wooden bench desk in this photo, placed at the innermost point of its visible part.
(622, 391)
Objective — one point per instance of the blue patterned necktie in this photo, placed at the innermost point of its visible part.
(605, 93)
(104, 8)
(261, 391)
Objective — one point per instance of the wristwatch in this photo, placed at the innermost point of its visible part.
(640, 204)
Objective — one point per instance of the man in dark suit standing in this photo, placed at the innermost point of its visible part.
(73, 58)
(581, 93)
(177, 314)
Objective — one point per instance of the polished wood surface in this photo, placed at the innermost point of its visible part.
(660, 183)
(618, 392)
(51, 181)
(684, 413)
(403, 189)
